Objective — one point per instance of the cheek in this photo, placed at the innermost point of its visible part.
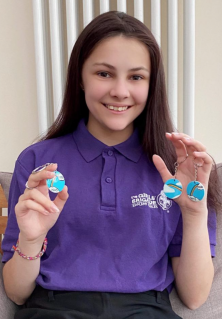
(141, 94)
(95, 91)
(93, 95)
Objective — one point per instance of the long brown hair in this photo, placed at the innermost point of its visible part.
(154, 121)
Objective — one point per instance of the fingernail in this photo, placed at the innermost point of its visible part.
(46, 212)
(54, 209)
(50, 174)
(168, 134)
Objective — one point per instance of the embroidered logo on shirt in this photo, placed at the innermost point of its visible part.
(144, 200)
(163, 201)
(152, 201)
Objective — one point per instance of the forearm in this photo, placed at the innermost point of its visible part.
(19, 274)
(195, 271)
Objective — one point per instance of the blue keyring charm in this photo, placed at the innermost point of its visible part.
(57, 183)
(195, 191)
(173, 188)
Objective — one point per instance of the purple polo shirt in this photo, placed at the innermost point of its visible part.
(117, 230)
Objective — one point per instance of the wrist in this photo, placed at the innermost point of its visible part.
(199, 210)
(30, 247)
(31, 241)
(194, 219)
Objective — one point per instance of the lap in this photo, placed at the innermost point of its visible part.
(91, 305)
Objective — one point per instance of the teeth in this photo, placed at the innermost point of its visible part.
(115, 108)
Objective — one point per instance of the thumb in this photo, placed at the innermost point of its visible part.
(161, 167)
(61, 198)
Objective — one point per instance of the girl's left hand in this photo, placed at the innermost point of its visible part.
(186, 171)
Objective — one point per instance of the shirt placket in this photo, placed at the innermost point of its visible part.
(108, 193)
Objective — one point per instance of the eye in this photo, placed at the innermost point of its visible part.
(104, 74)
(137, 77)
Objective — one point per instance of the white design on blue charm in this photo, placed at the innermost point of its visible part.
(172, 188)
(57, 183)
(195, 191)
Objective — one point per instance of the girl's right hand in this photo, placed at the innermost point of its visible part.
(35, 212)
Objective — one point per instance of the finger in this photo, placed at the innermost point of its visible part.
(180, 134)
(189, 142)
(23, 206)
(61, 198)
(203, 159)
(41, 199)
(180, 147)
(161, 167)
(36, 178)
(194, 145)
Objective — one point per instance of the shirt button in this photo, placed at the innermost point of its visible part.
(109, 180)
(110, 153)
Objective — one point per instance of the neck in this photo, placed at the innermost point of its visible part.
(110, 137)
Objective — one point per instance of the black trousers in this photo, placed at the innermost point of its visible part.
(46, 304)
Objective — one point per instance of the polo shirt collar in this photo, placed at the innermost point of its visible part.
(90, 148)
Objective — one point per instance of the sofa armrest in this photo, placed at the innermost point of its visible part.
(7, 307)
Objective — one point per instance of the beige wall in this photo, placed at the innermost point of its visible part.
(208, 121)
(18, 99)
(18, 107)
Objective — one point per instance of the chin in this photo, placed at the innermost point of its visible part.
(118, 127)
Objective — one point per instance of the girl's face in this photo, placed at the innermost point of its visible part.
(115, 78)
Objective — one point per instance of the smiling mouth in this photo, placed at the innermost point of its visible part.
(116, 108)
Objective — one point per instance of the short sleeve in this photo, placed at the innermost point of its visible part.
(174, 249)
(17, 187)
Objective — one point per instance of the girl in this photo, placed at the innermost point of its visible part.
(116, 243)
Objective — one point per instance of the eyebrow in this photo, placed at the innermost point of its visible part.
(113, 68)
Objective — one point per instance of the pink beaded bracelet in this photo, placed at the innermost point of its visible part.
(44, 246)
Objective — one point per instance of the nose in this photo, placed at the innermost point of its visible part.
(120, 89)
